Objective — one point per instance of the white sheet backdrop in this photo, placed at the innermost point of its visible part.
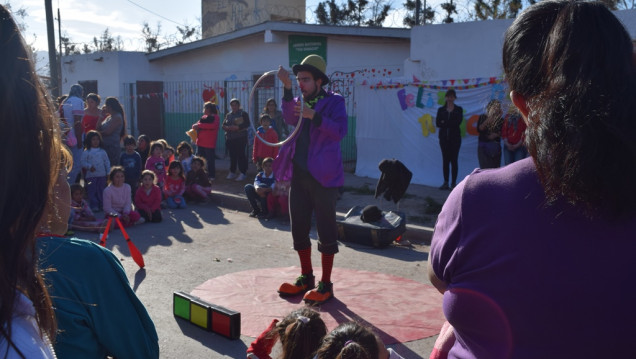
(392, 123)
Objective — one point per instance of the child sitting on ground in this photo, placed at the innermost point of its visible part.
(95, 163)
(260, 194)
(117, 198)
(175, 186)
(261, 150)
(355, 341)
(185, 155)
(82, 217)
(148, 198)
(198, 185)
(131, 161)
(300, 334)
(155, 162)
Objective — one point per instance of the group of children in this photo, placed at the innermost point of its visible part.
(303, 335)
(140, 178)
(149, 176)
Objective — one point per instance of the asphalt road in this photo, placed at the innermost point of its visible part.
(180, 253)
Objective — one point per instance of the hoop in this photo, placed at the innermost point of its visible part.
(251, 105)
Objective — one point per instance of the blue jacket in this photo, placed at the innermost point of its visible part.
(325, 157)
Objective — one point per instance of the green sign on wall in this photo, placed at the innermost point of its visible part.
(301, 46)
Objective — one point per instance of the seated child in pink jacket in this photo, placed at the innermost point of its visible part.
(148, 198)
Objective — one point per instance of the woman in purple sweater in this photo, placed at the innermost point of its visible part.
(535, 259)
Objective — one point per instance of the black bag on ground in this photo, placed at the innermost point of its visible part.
(380, 233)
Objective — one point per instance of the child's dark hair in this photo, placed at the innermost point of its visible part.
(212, 107)
(176, 164)
(267, 160)
(130, 140)
(77, 187)
(113, 172)
(156, 144)
(349, 340)
(148, 173)
(89, 139)
(185, 145)
(300, 333)
(265, 117)
(202, 161)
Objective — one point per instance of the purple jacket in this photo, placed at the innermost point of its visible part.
(325, 158)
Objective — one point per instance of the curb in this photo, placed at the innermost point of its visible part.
(414, 232)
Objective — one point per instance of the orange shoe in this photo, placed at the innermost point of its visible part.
(303, 283)
(320, 295)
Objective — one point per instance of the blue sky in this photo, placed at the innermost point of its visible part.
(83, 20)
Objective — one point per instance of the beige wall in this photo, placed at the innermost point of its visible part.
(223, 16)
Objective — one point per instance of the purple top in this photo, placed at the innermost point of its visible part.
(529, 281)
(325, 158)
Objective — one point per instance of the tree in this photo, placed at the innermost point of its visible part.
(335, 15)
(426, 15)
(497, 9)
(70, 48)
(450, 9)
(188, 34)
(378, 13)
(107, 42)
(352, 12)
(151, 37)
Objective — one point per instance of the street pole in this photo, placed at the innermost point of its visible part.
(417, 12)
(53, 68)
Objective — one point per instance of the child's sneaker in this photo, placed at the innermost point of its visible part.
(240, 177)
(303, 283)
(230, 176)
(323, 293)
(141, 220)
(255, 214)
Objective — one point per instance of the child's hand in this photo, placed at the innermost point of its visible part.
(92, 169)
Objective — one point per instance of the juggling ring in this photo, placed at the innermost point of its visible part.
(251, 102)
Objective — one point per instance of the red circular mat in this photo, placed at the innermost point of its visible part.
(398, 309)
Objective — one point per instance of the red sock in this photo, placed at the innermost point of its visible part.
(327, 265)
(305, 261)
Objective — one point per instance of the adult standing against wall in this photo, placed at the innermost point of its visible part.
(235, 126)
(278, 123)
(449, 118)
(113, 129)
(31, 153)
(73, 109)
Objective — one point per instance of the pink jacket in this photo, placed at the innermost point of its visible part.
(148, 202)
(207, 133)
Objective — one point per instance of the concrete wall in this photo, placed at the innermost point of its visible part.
(109, 69)
(223, 16)
(254, 55)
(467, 50)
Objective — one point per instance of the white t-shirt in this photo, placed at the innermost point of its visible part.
(73, 106)
(25, 333)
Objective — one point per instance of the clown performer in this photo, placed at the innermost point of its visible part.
(312, 161)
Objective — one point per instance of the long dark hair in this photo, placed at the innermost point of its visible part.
(114, 104)
(349, 340)
(572, 63)
(300, 333)
(28, 125)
